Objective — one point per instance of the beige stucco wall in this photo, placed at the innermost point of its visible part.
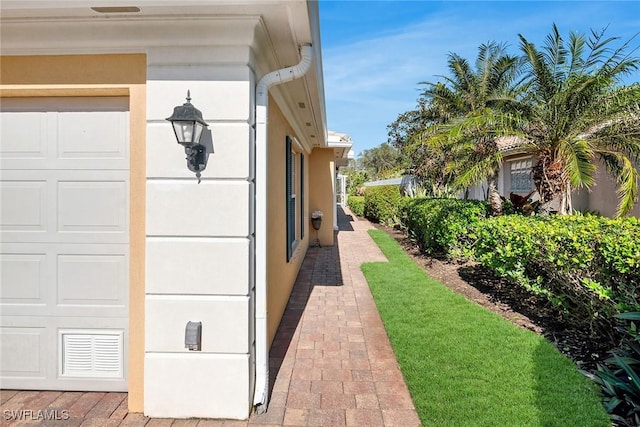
(603, 197)
(281, 275)
(101, 75)
(321, 194)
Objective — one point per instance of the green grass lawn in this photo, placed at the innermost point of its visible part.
(466, 366)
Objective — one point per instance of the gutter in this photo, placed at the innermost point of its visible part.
(273, 78)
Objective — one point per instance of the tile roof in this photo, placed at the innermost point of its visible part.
(509, 143)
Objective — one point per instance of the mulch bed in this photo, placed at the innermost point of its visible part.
(480, 285)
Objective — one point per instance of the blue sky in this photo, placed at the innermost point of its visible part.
(375, 53)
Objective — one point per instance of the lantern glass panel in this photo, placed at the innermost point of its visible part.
(184, 131)
(198, 132)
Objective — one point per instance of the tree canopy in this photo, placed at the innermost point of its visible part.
(565, 102)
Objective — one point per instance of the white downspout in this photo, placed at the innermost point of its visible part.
(262, 100)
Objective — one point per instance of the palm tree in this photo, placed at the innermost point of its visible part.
(490, 84)
(578, 114)
(468, 103)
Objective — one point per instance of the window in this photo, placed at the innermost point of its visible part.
(521, 177)
(294, 196)
(302, 221)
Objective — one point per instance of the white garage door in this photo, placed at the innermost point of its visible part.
(64, 243)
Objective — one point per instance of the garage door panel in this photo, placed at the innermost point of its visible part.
(23, 278)
(16, 143)
(26, 288)
(97, 280)
(92, 135)
(23, 352)
(23, 205)
(92, 206)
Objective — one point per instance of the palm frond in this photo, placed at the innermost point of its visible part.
(620, 61)
(463, 73)
(555, 54)
(468, 175)
(598, 46)
(627, 188)
(626, 175)
(577, 44)
(540, 77)
(577, 156)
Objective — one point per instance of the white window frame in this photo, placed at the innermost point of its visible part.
(294, 191)
(521, 166)
(295, 198)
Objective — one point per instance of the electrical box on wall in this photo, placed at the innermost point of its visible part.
(193, 336)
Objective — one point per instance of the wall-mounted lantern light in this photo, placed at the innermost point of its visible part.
(188, 126)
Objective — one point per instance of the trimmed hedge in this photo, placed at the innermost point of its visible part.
(587, 265)
(356, 204)
(381, 203)
(444, 226)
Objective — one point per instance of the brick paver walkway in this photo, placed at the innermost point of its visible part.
(331, 362)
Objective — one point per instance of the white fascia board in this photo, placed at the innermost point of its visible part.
(342, 149)
(340, 144)
(320, 112)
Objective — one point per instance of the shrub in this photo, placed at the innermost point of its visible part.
(619, 377)
(356, 204)
(589, 266)
(443, 226)
(355, 179)
(381, 203)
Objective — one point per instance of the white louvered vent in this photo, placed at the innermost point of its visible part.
(92, 354)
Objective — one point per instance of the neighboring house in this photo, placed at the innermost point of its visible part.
(408, 184)
(515, 177)
(341, 143)
(109, 245)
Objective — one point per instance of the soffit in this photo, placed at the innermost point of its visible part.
(341, 144)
